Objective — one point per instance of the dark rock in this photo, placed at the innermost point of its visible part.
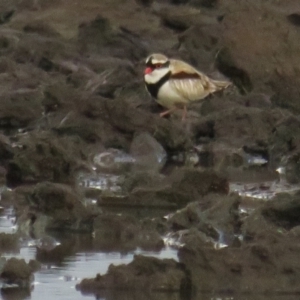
(197, 3)
(99, 36)
(144, 273)
(271, 220)
(58, 254)
(241, 125)
(177, 18)
(124, 116)
(62, 207)
(201, 43)
(9, 242)
(292, 168)
(184, 185)
(198, 182)
(142, 179)
(44, 157)
(5, 16)
(284, 147)
(204, 3)
(144, 2)
(13, 112)
(238, 75)
(6, 150)
(112, 231)
(283, 211)
(214, 215)
(40, 28)
(17, 271)
(124, 233)
(17, 293)
(34, 265)
(294, 19)
(252, 267)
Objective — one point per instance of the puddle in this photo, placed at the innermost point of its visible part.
(58, 280)
(59, 274)
(263, 190)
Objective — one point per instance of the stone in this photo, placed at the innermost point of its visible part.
(147, 152)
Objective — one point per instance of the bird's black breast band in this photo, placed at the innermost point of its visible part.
(154, 87)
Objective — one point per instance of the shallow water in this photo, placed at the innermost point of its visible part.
(61, 272)
(78, 258)
(58, 280)
(264, 190)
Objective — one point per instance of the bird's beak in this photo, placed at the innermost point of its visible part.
(148, 71)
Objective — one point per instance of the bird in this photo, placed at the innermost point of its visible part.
(174, 83)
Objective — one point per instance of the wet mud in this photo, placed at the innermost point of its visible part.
(87, 165)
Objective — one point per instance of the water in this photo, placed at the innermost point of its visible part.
(62, 270)
(58, 280)
(263, 190)
(75, 256)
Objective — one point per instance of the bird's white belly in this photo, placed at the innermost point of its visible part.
(168, 97)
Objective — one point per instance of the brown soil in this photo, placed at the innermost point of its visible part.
(72, 87)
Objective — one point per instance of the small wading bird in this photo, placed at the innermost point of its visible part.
(174, 83)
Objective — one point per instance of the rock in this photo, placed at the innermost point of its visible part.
(201, 43)
(292, 168)
(55, 206)
(99, 36)
(9, 242)
(46, 243)
(144, 273)
(8, 294)
(177, 18)
(283, 210)
(58, 254)
(144, 2)
(254, 267)
(112, 231)
(147, 152)
(5, 16)
(124, 233)
(191, 217)
(215, 216)
(126, 117)
(198, 182)
(284, 147)
(43, 157)
(184, 185)
(240, 125)
(114, 160)
(6, 150)
(294, 19)
(41, 28)
(17, 272)
(204, 3)
(13, 113)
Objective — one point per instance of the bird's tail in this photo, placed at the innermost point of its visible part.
(220, 85)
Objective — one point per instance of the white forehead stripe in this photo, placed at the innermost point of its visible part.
(158, 61)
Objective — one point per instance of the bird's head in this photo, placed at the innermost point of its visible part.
(157, 66)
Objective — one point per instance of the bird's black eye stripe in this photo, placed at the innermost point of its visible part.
(160, 65)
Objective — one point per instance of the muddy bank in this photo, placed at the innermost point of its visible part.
(79, 134)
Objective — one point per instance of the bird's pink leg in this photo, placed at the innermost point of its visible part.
(167, 112)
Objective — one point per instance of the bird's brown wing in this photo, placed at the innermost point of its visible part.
(189, 83)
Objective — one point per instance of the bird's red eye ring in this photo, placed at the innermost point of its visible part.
(158, 65)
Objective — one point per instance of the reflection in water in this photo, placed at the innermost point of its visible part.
(73, 258)
(263, 190)
(68, 258)
(57, 279)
